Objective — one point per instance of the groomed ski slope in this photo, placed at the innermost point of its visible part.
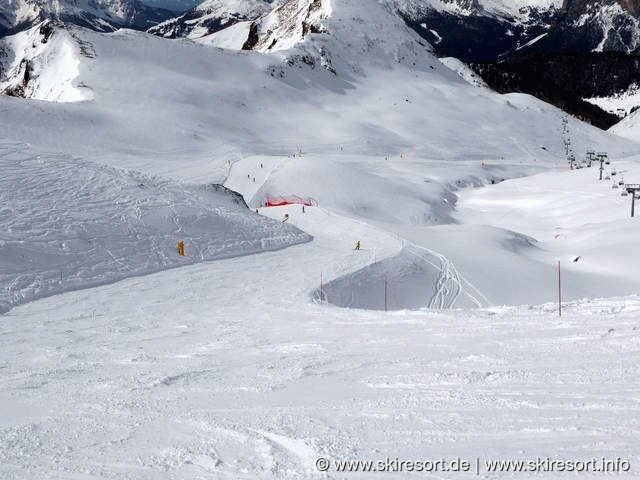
(230, 370)
(249, 367)
(233, 369)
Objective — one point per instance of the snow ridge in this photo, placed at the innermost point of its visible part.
(45, 66)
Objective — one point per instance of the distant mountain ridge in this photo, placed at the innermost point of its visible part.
(489, 30)
(472, 30)
(266, 24)
(211, 16)
(99, 15)
(580, 7)
(505, 40)
(561, 51)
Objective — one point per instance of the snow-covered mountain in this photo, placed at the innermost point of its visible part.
(255, 362)
(251, 25)
(101, 15)
(561, 52)
(42, 63)
(472, 30)
(609, 25)
(211, 16)
(178, 6)
(490, 29)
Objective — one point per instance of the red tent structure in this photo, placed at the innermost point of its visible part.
(279, 200)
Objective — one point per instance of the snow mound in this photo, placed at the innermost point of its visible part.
(68, 225)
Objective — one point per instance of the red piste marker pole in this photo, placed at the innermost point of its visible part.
(559, 292)
(386, 302)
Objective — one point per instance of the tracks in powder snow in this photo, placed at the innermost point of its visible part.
(450, 284)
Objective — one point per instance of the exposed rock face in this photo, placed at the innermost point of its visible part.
(561, 52)
(483, 33)
(42, 63)
(290, 22)
(575, 8)
(564, 80)
(274, 24)
(210, 17)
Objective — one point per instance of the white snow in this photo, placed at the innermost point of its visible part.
(464, 71)
(283, 27)
(514, 9)
(14, 12)
(224, 370)
(532, 41)
(232, 37)
(249, 366)
(629, 127)
(436, 34)
(572, 217)
(621, 103)
(69, 224)
(54, 66)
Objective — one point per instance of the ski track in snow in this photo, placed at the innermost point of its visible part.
(450, 284)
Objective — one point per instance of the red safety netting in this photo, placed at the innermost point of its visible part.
(278, 200)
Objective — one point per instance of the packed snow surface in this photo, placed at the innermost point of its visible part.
(69, 224)
(225, 370)
(258, 361)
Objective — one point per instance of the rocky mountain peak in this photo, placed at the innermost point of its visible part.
(579, 7)
(262, 25)
(101, 15)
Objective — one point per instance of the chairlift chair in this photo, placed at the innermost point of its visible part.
(624, 193)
